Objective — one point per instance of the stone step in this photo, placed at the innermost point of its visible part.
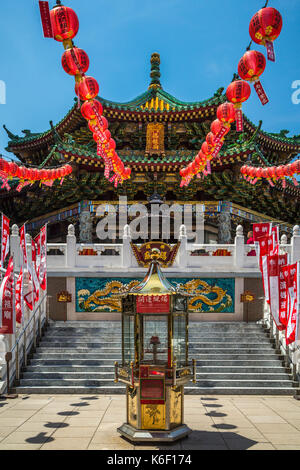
(275, 370)
(110, 382)
(110, 375)
(232, 358)
(74, 390)
(241, 391)
(49, 390)
(192, 349)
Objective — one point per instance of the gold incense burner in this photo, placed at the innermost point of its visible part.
(155, 365)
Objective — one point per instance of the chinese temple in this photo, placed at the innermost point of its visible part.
(156, 136)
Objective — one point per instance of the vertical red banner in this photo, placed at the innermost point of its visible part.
(294, 304)
(6, 301)
(19, 298)
(5, 238)
(23, 245)
(261, 92)
(239, 120)
(283, 293)
(46, 20)
(270, 51)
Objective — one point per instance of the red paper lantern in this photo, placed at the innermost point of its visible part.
(183, 172)
(88, 109)
(216, 126)
(112, 144)
(226, 113)
(94, 123)
(205, 149)
(251, 65)
(87, 88)
(265, 26)
(279, 171)
(75, 61)
(64, 23)
(13, 169)
(238, 92)
(210, 139)
(21, 173)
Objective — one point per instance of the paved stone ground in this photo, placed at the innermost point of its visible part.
(90, 422)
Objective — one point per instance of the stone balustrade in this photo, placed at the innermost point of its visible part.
(232, 258)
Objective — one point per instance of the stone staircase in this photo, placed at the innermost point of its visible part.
(232, 358)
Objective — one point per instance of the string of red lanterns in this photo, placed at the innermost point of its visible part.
(9, 170)
(272, 173)
(75, 61)
(265, 27)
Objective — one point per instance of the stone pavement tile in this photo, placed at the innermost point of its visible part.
(69, 443)
(262, 446)
(287, 447)
(10, 422)
(207, 446)
(204, 437)
(283, 438)
(89, 413)
(108, 427)
(295, 423)
(273, 418)
(27, 437)
(247, 433)
(275, 428)
(46, 417)
(106, 438)
(238, 422)
(76, 421)
(289, 415)
(39, 426)
(4, 432)
(74, 431)
(17, 414)
(111, 447)
(19, 447)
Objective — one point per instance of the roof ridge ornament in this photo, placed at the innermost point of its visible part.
(155, 71)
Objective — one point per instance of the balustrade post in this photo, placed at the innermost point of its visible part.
(70, 255)
(183, 252)
(295, 244)
(126, 252)
(239, 243)
(14, 246)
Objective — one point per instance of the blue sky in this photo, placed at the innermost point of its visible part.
(200, 43)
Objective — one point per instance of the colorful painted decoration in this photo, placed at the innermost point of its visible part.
(265, 27)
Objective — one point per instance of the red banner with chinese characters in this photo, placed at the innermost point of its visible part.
(261, 92)
(19, 298)
(5, 238)
(43, 258)
(284, 279)
(153, 304)
(261, 230)
(23, 245)
(45, 18)
(275, 261)
(294, 304)
(239, 120)
(6, 301)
